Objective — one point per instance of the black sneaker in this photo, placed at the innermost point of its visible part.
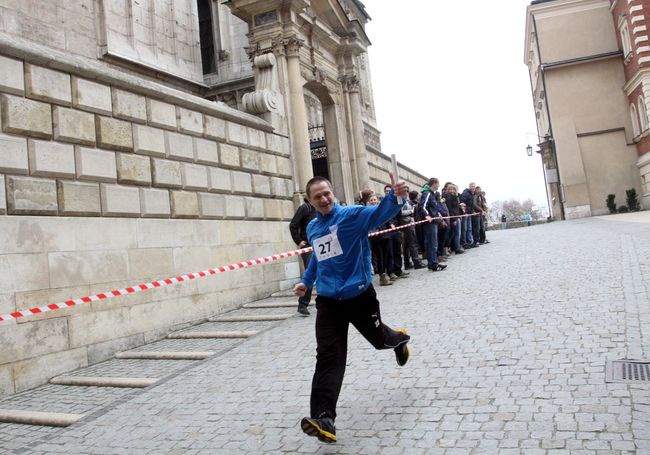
(402, 352)
(438, 267)
(303, 311)
(322, 428)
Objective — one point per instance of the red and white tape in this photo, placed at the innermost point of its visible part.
(180, 278)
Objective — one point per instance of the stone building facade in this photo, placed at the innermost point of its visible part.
(151, 138)
(584, 82)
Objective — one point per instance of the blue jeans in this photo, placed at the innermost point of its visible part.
(431, 242)
(469, 238)
(463, 230)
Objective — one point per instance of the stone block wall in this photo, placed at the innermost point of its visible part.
(380, 165)
(106, 183)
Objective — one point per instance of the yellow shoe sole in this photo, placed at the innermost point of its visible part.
(311, 428)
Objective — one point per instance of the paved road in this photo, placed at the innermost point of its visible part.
(508, 356)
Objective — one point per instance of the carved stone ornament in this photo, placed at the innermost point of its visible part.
(293, 45)
(350, 83)
(265, 98)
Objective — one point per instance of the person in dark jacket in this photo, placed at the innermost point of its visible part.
(410, 241)
(414, 197)
(467, 197)
(381, 249)
(453, 203)
(395, 265)
(443, 228)
(429, 209)
(298, 227)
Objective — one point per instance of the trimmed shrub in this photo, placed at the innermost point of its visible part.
(611, 204)
(632, 200)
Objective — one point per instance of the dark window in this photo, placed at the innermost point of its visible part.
(206, 36)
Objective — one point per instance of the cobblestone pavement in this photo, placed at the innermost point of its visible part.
(509, 347)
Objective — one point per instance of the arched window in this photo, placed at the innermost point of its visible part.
(643, 114)
(625, 37)
(635, 120)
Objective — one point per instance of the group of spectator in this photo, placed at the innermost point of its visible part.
(413, 247)
(447, 230)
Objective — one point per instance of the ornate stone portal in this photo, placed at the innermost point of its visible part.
(317, 46)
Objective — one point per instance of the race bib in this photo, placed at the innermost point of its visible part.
(327, 246)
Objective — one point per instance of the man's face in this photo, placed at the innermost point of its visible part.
(322, 198)
(435, 186)
(387, 190)
(472, 187)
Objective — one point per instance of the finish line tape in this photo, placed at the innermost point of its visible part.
(188, 277)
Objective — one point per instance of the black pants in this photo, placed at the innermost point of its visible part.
(382, 254)
(396, 253)
(303, 302)
(476, 228)
(332, 321)
(411, 255)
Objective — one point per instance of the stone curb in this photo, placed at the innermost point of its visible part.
(52, 419)
(213, 334)
(164, 355)
(251, 318)
(99, 381)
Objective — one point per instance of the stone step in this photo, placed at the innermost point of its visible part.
(164, 355)
(103, 381)
(271, 304)
(213, 334)
(251, 318)
(50, 419)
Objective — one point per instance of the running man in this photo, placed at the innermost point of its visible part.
(341, 264)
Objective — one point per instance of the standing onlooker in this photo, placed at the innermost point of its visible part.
(467, 197)
(395, 267)
(484, 219)
(453, 204)
(380, 248)
(428, 208)
(443, 228)
(478, 222)
(298, 227)
(364, 195)
(414, 197)
(527, 219)
(410, 245)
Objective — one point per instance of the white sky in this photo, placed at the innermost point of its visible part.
(452, 92)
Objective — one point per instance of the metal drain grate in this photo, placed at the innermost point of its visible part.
(628, 371)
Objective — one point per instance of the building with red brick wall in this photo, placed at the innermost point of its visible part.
(632, 21)
(587, 60)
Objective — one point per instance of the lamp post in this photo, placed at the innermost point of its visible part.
(529, 152)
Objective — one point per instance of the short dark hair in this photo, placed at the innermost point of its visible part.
(413, 194)
(315, 181)
(432, 180)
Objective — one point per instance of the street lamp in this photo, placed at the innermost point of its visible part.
(529, 150)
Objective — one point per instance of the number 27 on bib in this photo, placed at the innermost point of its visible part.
(327, 247)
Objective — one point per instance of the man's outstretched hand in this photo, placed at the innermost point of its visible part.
(399, 188)
(299, 289)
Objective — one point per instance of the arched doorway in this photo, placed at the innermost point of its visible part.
(317, 142)
(327, 137)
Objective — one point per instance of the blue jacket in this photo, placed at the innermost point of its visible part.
(349, 274)
(428, 206)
